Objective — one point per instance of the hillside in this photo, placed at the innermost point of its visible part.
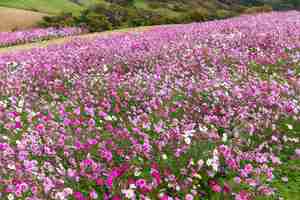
(45, 6)
(276, 4)
(169, 8)
(175, 11)
(57, 6)
(166, 6)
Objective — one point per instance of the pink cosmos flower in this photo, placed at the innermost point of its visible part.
(77, 111)
(18, 125)
(215, 186)
(93, 194)
(165, 197)
(247, 170)
(100, 182)
(116, 197)
(79, 196)
(155, 174)
(41, 127)
(243, 195)
(109, 181)
(189, 197)
(227, 188)
(141, 183)
(265, 190)
(297, 152)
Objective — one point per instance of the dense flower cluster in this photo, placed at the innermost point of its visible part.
(198, 111)
(26, 36)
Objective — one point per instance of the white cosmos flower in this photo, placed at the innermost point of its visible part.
(215, 153)
(290, 126)
(11, 166)
(108, 118)
(200, 163)
(189, 132)
(225, 137)
(209, 162)
(60, 196)
(105, 68)
(203, 128)
(137, 173)
(132, 186)
(11, 197)
(215, 166)
(68, 191)
(164, 156)
(187, 140)
(129, 193)
(4, 137)
(114, 118)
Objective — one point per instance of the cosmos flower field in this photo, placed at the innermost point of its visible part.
(197, 111)
(38, 34)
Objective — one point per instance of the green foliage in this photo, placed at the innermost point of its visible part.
(179, 8)
(222, 14)
(45, 6)
(258, 9)
(94, 22)
(113, 14)
(62, 20)
(121, 2)
(155, 5)
(197, 16)
(290, 189)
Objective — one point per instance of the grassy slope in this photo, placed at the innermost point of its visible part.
(45, 6)
(16, 13)
(164, 7)
(57, 6)
(167, 7)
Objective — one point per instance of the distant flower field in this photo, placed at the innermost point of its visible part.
(198, 111)
(27, 36)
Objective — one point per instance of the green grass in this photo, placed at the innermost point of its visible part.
(290, 168)
(291, 189)
(58, 6)
(163, 10)
(45, 6)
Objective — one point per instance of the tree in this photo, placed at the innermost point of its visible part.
(94, 22)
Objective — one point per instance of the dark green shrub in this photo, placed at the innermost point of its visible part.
(179, 8)
(258, 9)
(115, 14)
(196, 16)
(223, 14)
(94, 22)
(62, 20)
(121, 2)
(155, 5)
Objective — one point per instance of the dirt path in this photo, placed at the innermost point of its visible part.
(66, 39)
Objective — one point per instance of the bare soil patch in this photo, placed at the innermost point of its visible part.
(11, 18)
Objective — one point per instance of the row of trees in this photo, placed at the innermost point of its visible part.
(112, 16)
(276, 4)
